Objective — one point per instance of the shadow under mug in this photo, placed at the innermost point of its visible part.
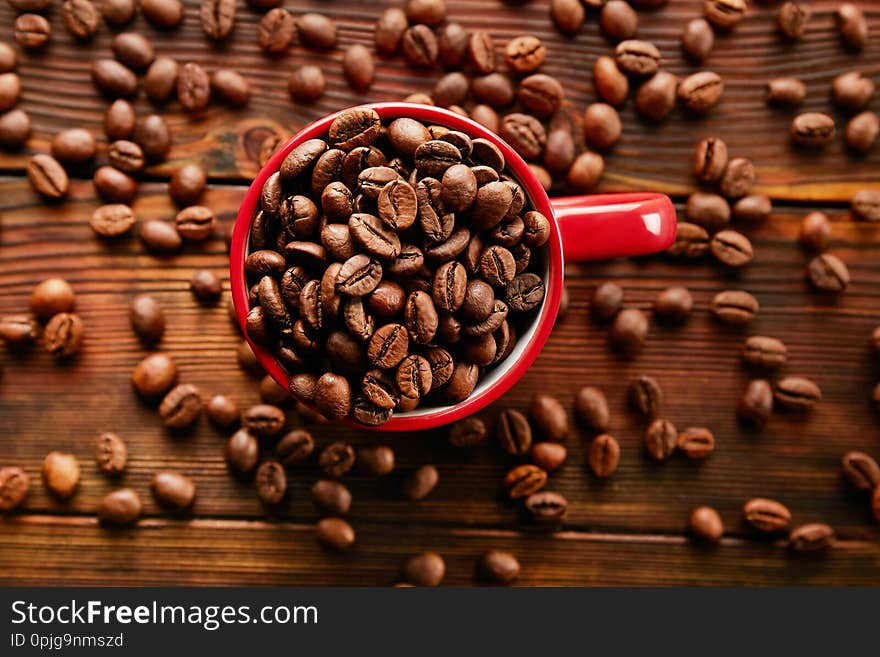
(588, 227)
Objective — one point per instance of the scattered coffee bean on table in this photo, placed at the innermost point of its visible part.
(756, 403)
(14, 487)
(119, 508)
(767, 515)
(812, 537)
(706, 524)
(499, 566)
(111, 453)
(61, 474)
(173, 489)
(661, 439)
(425, 569)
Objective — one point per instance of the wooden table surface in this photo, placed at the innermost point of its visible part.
(628, 530)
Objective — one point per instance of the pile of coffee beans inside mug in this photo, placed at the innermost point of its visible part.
(391, 264)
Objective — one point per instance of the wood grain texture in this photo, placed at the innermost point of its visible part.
(234, 552)
(57, 91)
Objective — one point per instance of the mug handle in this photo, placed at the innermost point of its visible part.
(601, 226)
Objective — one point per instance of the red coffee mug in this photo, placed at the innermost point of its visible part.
(590, 227)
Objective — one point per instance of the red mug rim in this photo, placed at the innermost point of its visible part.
(504, 375)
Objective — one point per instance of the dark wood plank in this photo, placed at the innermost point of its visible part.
(204, 552)
(57, 91)
(46, 406)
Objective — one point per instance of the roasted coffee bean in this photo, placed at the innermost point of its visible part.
(655, 98)
(32, 31)
(860, 470)
(865, 205)
(706, 524)
(735, 307)
(661, 439)
(331, 497)
(636, 57)
(731, 248)
(753, 208)
(8, 57)
(380, 388)
(481, 52)
(369, 233)
(646, 396)
(498, 566)
(514, 434)
(525, 54)
(119, 508)
(419, 483)
(263, 420)
(262, 263)
(14, 486)
(230, 87)
(173, 489)
(164, 14)
(388, 33)
(61, 474)
(607, 300)
(628, 331)
(18, 330)
(359, 126)
(15, 128)
(568, 15)
(306, 83)
(272, 392)
(217, 17)
(206, 287)
(498, 268)
(792, 19)
(766, 515)
(525, 292)
(851, 25)
(295, 447)
(387, 299)
(495, 90)
(222, 411)
(756, 403)
(316, 31)
(421, 317)
(113, 79)
(195, 223)
(828, 273)
(270, 481)
(152, 135)
(852, 90)
(786, 91)
(691, 241)
(813, 537)
(187, 184)
(812, 129)
(242, 452)
(764, 352)
(333, 396)
(618, 20)
(524, 480)
(697, 39)
(133, 49)
(63, 335)
(548, 456)
(603, 455)
(334, 533)
(549, 416)
(154, 375)
(724, 14)
(591, 408)
(711, 211)
(611, 84)
(147, 318)
(525, 133)
(862, 131)
(467, 433)
(797, 393)
(337, 459)
(50, 297)
(602, 126)
(450, 286)
(181, 406)
(701, 91)
(413, 377)
(47, 176)
(710, 159)
(425, 569)
(193, 87)
(358, 67)
(738, 178)
(420, 46)
(359, 275)
(696, 442)
(126, 156)
(160, 81)
(546, 507)
(113, 185)
(376, 461)
(540, 94)
(673, 304)
(73, 146)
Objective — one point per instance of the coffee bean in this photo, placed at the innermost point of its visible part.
(851, 25)
(276, 30)
(525, 54)
(862, 131)
(73, 146)
(661, 439)
(376, 461)
(813, 537)
(222, 411)
(230, 87)
(764, 352)
(217, 17)
(15, 128)
(828, 273)
(696, 442)
(134, 50)
(724, 14)
(852, 90)
(160, 81)
(646, 396)
(636, 57)
(8, 57)
(546, 507)
(14, 486)
(187, 184)
(602, 126)
(413, 377)
(18, 330)
(32, 31)
(113, 185)
(164, 14)
(731, 248)
(154, 375)
(792, 19)
(147, 318)
(419, 483)
(195, 223)
(514, 433)
(160, 237)
(548, 456)
(50, 297)
(691, 241)
(628, 331)
(812, 129)
(113, 79)
(181, 406)
(358, 67)
(673, 304)
(331, 497)
(126, 156)
(47, 177)
(753, 208)
(591, 408)
(738, 178)
(306, 83)
(242, 451)
(335, 533)
(119, 508)
(63, 335)
(865, 205)
(708, 210)
(861, 470)
(420, 46)
(498, 566)
(697, 39)
(525, 133)
(61, 474)
(337, 458)
(206, 287)
(705, 523)
(756, 403)
(540, 94)
(388, 33)
(193, 87)
(270, 481)
(152, 135)
(797, 393)
(766, 515)
(263, 420)
(425, 569)
(786, 91)
(173, 489)
(524, 480)
(618, 20)
(655, 98)
(701, 91)
(481, 52)
(603, 455)
(568, 15)
(735, 307)
(549, 417)
(428, 12)
(607, 300)
(611, 85)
